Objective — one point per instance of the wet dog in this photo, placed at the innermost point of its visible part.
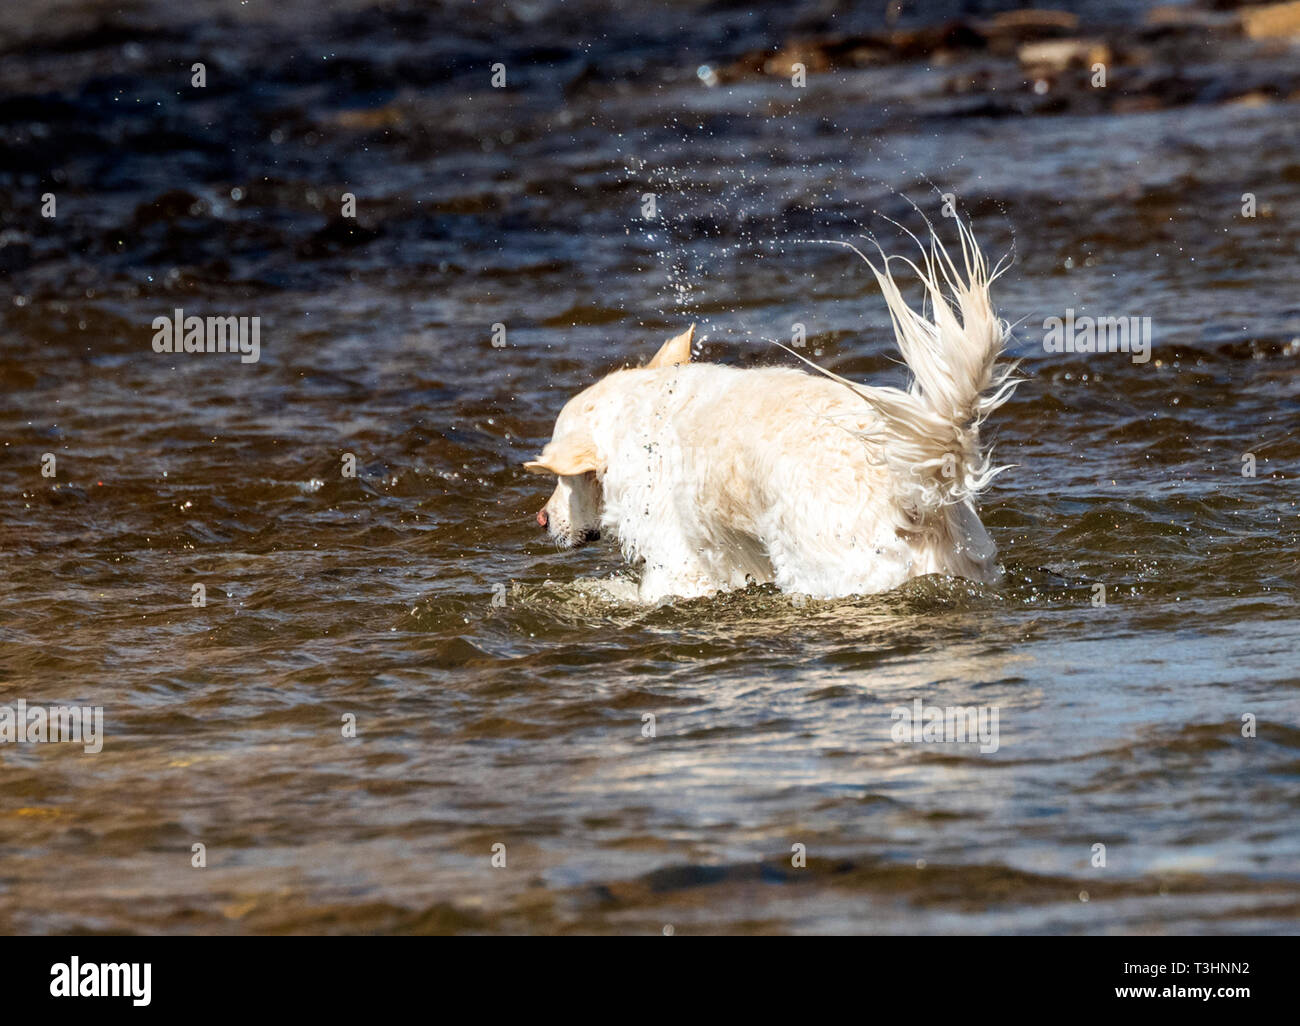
(711, 476)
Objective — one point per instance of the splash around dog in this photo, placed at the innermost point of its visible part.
(712, 476)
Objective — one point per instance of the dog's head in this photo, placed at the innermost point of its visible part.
(577, 450)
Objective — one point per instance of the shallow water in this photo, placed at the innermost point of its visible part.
(500, 687)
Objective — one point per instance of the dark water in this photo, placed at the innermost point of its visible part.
(499, 687)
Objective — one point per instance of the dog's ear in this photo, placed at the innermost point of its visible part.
(676, 350)
(565, 456)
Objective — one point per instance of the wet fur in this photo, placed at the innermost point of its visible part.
(711, 476)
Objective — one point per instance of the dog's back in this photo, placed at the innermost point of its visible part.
(770, 475)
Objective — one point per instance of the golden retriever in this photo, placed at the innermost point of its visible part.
(711, 477)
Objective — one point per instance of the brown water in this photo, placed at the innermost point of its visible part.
(499, 687)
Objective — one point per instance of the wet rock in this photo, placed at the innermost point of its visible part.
(1038, 62)
(931, 41)
(1271, 21)
(1181, 19)
(813, 57)
(827, 53)
(1009, 30)
(370, 119)
(1060, 54)
(1000, 36)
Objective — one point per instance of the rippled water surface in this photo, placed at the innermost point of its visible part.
(500, 688)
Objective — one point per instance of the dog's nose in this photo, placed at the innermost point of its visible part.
(541, 518)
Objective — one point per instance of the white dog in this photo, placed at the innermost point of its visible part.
(713, 476)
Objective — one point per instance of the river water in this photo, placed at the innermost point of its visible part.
(1141, 656)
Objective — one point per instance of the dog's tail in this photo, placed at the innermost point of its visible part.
(929, 434)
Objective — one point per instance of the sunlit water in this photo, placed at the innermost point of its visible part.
(500, 688)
